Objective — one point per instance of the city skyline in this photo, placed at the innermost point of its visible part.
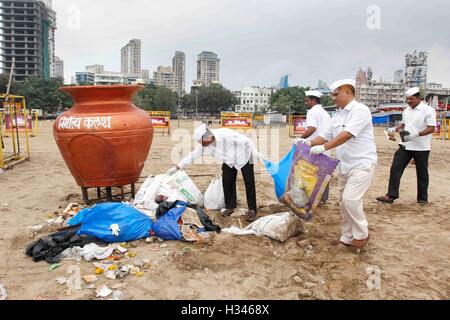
(253, 52)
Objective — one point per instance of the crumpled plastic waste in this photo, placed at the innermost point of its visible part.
(3, 294)
(89, 252)
(103, 292)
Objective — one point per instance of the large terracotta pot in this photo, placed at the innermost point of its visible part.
(104, 138)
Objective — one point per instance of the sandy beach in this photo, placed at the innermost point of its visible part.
(409, 243)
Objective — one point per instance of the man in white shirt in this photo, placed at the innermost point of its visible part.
(317, 120)
(351, 133)
(237, 152)
(417, 127)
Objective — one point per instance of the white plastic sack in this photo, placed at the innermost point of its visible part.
(214, 196)
(175, 187)
(280, 227)
(186, 188)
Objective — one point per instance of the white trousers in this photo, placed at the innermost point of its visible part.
(352, 188)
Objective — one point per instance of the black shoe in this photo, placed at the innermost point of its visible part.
(422, 202)
(227, 212)
(251, 216)
(386, 199)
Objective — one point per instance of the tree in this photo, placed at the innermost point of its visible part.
(212, 100)
(155, 98)
(293, 97)
(39, 93)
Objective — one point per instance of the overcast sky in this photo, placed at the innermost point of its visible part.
(258, 41)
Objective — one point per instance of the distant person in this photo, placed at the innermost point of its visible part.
(351, 132)
(317, 120)
(237, 153)
(417, 128)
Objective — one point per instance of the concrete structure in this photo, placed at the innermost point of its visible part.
(84, 78)
(59, 68)
(27, 32)
(379, 93)
(95, 68)
(208, 68)
(164, 77)
(110, 78)
(399, 76)
(322, 85)
(145, 76)
(416, 72)
(131, 58)
(253, 99)
(437, 89)
(179, 72)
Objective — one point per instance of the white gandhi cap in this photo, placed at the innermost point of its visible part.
(340, 83)
(314, 93)
(413, 91)
(199, 133)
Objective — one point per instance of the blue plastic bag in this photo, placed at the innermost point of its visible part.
(167, 227)
(280, 172)
(97, 221)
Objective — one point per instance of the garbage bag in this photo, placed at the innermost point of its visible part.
(167, 226)
(103, 220)
(280, 227)
(178, 186)
(301, 179)
(214, 196)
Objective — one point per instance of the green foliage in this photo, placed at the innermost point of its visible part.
(153, 98)
(39, 93)
(213, 100)
(293, 97)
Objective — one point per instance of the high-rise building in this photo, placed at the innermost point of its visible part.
(145, 76)
(322, 85)
(208, 69)
(284, 82)
(399, 76)
(27, 30)
(131, 58)
(59, 68)
(179, 72)
(416, 70)
(164, 77)
(361, 77)
(95, 68)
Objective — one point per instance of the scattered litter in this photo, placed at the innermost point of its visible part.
(117, 295)
(121, 249)
(276, 254)
(297, 279)
(90, 278)
(3, 294)
(111, 275)
(154, 240)
(54, 267)
(61, 281)
(304, 243)
(130, 254)
(103, 292)
(163, 246)
(3, 205)
(72, 209)
(89, 252)
(309, 250)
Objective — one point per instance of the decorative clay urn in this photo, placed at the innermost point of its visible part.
(104, 139)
